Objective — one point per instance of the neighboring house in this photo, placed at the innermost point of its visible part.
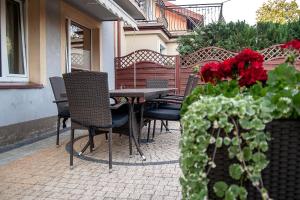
(45, 38)
(164, 23)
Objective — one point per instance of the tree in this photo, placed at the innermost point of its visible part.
(278, 11)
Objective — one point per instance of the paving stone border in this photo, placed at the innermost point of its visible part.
(92, 159)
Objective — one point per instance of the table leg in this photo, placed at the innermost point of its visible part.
(141, 123)
(133, 130)
(130, 126)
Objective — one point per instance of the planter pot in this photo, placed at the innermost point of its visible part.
(282, 176)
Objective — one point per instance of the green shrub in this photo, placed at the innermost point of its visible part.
(235, 36)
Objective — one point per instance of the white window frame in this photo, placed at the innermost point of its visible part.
(5, 76)
(68, 44)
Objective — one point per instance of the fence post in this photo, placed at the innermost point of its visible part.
(177, 73)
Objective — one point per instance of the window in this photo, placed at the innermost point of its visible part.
(13, 56)
(79, 47)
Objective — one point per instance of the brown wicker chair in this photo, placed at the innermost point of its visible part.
(90, 108)
(58, 88)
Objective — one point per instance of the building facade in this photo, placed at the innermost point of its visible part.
(45, 38)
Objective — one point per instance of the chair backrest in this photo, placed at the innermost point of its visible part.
(88, 97)
(58, 88)
(189, 85)
(195, 83)
(157, 83)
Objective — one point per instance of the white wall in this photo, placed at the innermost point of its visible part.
(20, 105)
(108, 51)
(137, 42)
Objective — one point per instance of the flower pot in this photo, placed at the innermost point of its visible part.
(282, 176)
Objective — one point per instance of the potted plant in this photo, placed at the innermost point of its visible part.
(241, 132)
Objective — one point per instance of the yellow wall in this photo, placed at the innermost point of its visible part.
(149, 40)
(172, 47)
(136, 42)
(36, 41)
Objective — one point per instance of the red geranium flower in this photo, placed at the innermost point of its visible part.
(211, 72)
(252, 75)
(246, 67)
(228, 67)
(294, 44)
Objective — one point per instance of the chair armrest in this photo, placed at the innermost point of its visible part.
(165, 101)
(174, 97)
(118, 105)
(60, 101)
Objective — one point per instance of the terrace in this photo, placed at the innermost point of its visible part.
(82, 121)
(40, 170)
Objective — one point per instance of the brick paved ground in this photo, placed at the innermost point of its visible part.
(41, 170)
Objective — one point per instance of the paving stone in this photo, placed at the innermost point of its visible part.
(41, 170)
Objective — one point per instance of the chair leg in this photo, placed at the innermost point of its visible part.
(106, 136)
(167, 126)
(57, 131)
(161, 125)
(148, 134)
(91, 140)
(154, 127)
(110, 149)
(64, 122)
(72, 150)
(84, 148)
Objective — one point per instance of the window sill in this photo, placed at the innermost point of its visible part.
(15, 85)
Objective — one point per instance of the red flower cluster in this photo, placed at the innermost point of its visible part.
(294, 44)
(211, 72)
(246, 67)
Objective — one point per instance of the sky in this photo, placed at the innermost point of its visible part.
(234, 10)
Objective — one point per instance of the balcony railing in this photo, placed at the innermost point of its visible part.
(180, 19)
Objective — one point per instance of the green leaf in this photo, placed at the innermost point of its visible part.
(263, 146)
(235, 171)
(229, 195)
(219, 142)
(258, 124)
(220, 188)
(236, 141)
(245, 123)
(296, 102)
(227, 141)
(247, 153)
(234, 189)
(243, 193)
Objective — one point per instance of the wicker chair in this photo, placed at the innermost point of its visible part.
(190, 85)
(157, 83)
(90, 108)
(174, 102)
(58, 88)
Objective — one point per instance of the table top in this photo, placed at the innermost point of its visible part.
(140, 92)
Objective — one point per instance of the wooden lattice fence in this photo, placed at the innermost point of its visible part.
(147, 64)
(133, 69)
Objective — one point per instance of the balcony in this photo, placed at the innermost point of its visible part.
(178, 20)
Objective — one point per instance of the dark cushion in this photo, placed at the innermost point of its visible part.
(120, 116)
(162, 114)
(119, 119)
(170, 106)
(63, 110)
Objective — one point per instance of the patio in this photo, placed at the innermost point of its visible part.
(41, 170)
